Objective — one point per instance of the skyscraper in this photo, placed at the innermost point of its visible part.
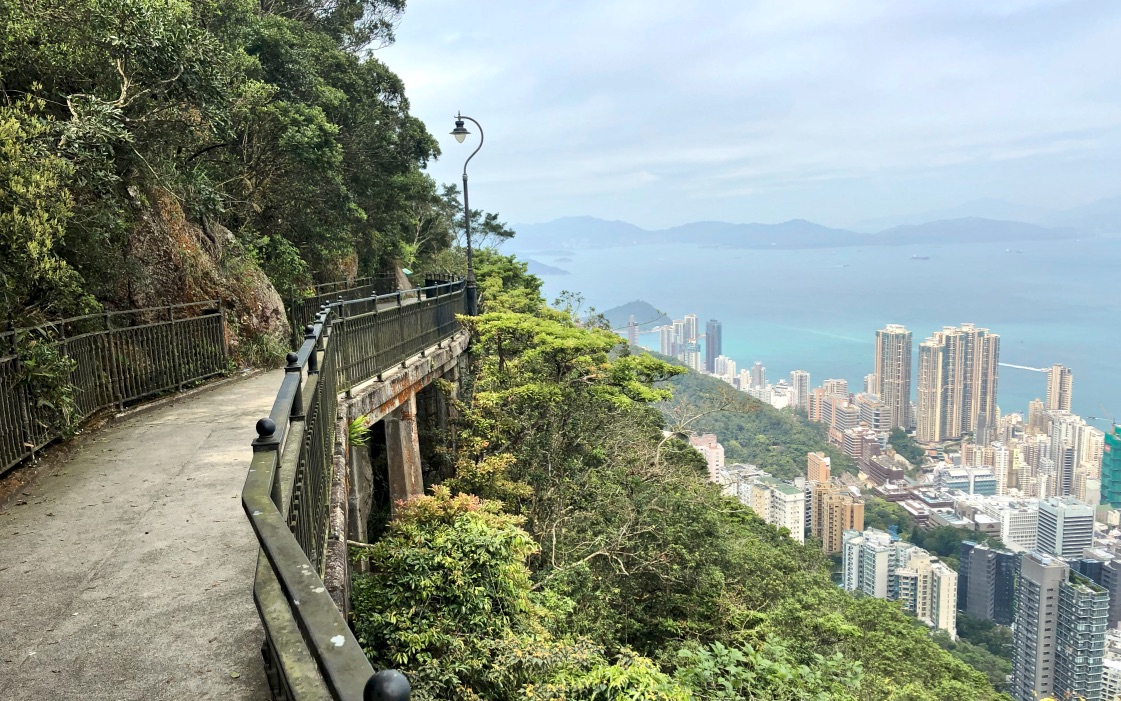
(987, 579)
(666, 341)
(632, 332)
(689, 328)
(1037, 416)
(758, 375)
(957, 383)
(1066, 526)
(870, 383)
(878, 565)
(714, 345)
(800, 385)
(1060, 381)
(892, 382)
(1059, 637)
(713, 452)
(1111, 468)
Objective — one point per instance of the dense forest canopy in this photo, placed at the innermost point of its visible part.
(134, 132)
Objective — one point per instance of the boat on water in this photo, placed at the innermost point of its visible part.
(920, 257)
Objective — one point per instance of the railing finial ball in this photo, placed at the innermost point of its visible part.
(291, 359)
(387, 685)
(309, 329)
(266, 427)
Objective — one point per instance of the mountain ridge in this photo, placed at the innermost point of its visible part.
(574, 233)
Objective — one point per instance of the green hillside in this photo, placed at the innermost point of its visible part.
(750, 430)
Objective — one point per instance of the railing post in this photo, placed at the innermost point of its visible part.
(293, 365)
(313, 358)
(222, 330)
(387, 685)
(266, 436)
(172, 335)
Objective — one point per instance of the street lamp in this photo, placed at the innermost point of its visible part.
(460, 133)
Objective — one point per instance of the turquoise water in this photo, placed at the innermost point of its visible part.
(819, 309)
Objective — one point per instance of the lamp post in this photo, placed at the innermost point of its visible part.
(460, 133)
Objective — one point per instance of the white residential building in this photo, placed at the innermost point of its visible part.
(877, 565)
(1066, 527)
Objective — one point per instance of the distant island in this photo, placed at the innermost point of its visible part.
(646, 316)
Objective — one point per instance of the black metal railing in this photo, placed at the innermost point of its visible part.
(310, 651)
(302, 310)
(116, 359)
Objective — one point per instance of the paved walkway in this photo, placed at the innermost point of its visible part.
(128, 572)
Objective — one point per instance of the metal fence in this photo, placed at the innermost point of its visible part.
(116, 358)
(310, 651)
(301, 311)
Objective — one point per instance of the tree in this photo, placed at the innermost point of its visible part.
(638, 551)
(907, 447)
(35, 206)
(884, 515)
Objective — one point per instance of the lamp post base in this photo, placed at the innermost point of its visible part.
(471, 298)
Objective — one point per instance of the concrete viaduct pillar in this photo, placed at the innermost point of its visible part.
(402, 447)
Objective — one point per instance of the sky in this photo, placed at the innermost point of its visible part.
(661, 113)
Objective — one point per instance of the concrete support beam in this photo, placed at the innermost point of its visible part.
(406, 480)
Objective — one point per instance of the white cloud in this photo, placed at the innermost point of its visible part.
(663, 112)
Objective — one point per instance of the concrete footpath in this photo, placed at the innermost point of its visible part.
(126, 571)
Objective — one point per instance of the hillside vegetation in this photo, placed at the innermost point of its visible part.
(579, 554)
(751, 431)
(158, 151)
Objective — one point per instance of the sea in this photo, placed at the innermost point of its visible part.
(819, 309)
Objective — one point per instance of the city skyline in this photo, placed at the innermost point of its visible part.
(903, 377)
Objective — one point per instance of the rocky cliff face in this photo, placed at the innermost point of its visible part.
(175, 260)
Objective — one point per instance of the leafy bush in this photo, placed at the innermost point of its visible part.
(44, 371)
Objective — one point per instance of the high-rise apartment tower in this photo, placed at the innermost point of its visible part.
(957, 383)
(892, 382)
(1060, 382)
(714, 344)
(800, 386)
(1059, 638)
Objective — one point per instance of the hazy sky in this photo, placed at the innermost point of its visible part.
(661, 113)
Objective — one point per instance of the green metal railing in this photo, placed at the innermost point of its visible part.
(310, 651)
(117, 359)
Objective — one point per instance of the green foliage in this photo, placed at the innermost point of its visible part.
(751, 431)
(945, 541)
(625, 543)
(358, 431)
(504, 283)
(44, 372)
(449, 600)
(995, 638)
(882, 514)
(996, 668)
(907, 447)
(721, 673)
(35, 207)
(270, 119)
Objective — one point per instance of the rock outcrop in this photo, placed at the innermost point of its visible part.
(176, 261)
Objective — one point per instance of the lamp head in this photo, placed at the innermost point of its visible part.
(460, 133)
